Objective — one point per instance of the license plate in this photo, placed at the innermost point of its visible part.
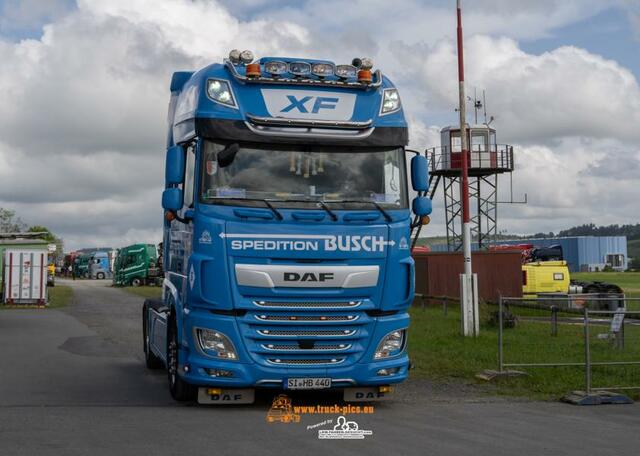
(308, 383)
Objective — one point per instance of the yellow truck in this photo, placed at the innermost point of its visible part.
(546, 273)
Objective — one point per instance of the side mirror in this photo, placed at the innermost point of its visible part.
(227, 155)
(174, 166)
(422, 206)
(172, 199)
(420, 173)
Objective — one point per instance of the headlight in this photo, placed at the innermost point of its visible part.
(220, 91)
(322, 69)
(214, 343)
(391, 345)
(390, 101)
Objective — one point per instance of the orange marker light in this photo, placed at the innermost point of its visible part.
(253, 70)
(365, 76)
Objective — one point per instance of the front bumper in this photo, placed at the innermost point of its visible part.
(249, 372)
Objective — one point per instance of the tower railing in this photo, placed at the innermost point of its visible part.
(497, 158)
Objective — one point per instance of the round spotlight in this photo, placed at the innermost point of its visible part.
(366, 63)
(246, 57)
(275, 67)
(356, 62)
(234, 56)
(300, 68)
(346, 71)
(322, 70)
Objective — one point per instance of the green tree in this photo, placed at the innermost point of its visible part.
(9, 223)
(49, 237)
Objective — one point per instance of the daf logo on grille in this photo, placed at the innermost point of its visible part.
(308, 276)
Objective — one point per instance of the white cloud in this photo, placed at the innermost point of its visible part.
(82, 123)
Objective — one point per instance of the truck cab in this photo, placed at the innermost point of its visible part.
(287, 231)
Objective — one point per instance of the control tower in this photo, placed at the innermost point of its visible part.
(487, 159)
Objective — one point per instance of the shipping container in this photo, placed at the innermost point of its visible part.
(499, 274)
(25, 276)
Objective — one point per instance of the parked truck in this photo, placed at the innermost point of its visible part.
(286, 231)
(81, 265)
(100, 266)
(136, 265)
(545, 273)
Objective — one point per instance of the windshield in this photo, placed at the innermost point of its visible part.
(280, 173)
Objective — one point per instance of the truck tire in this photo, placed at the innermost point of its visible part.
(100, 276)
(136, 282)
(151, 360)
(179, 389)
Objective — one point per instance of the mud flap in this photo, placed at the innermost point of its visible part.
(367, 394)
(222, 396)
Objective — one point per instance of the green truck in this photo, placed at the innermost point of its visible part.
(137, 265)
(81, 265)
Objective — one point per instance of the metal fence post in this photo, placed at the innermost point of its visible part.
(444, 305)
(587, 353)
(554, 320)
(500, 354)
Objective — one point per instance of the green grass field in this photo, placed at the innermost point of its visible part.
(441, 354)
(145, 292)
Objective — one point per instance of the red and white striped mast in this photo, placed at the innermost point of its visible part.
(468, 298)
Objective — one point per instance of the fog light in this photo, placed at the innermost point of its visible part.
(214, 391)
(385, 389)
(385, 372)
(219, 373)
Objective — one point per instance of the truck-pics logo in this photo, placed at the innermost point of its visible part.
(311, 243)
(282, 411)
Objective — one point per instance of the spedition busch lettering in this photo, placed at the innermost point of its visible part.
(328, 244)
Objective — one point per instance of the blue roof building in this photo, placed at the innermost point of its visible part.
(582, 253)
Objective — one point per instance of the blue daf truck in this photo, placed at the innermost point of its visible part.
(287, 231)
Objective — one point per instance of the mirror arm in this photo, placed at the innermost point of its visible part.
(186, 220)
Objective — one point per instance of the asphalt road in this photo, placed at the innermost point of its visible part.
(72, 382)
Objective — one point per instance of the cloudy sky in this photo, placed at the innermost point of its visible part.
(84, 90)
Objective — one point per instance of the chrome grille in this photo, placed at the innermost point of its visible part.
(295, 347)
(309, 304)
(307, 332)
(307, 317)
(304, 362)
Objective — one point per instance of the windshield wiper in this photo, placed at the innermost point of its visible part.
(275, 211)
(320, 204)
(332, 214)
(382, 211)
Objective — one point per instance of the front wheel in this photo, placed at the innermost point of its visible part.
(100, 276)
(179, 389)
(136, 282)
